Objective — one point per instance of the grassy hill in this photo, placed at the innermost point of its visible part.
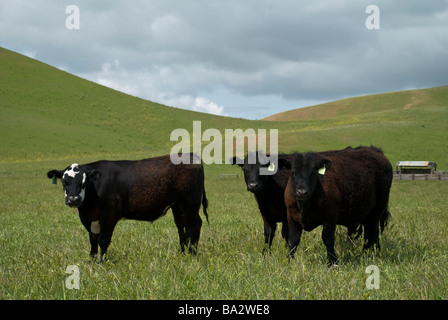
(48, 114)
(385, 104)
(408, 124)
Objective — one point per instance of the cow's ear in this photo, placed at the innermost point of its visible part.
(236, 160)
(283, 163)
(94, 174)
(55, 174)
(324, 164)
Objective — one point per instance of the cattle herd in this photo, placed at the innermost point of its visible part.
(348, 187)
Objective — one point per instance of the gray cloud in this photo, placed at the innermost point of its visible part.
(186, 52)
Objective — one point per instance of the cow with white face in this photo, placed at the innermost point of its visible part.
(73, 180)
(104, 192)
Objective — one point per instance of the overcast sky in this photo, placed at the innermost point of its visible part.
(242, 58)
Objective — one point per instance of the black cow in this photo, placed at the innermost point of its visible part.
(268, 191)
(348, 188)
(107, 191)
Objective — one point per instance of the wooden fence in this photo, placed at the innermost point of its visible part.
(420, 176)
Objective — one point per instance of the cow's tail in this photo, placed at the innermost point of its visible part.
(205, 205)
(384, 220)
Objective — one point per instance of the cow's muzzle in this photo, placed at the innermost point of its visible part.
(302, 194)
(73, 201)
(253, 187)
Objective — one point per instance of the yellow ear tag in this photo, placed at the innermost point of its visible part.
(322, 170)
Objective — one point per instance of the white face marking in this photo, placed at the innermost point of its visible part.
(71, 172)
(95, 227)
(271, 167)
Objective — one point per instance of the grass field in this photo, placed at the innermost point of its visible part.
(40, 237)
(51, 123)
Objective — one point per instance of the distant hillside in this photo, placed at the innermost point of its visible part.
(390, 102)
(46, 113)
(409, 124)
(49, 114)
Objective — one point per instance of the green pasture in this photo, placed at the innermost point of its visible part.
(40, 237)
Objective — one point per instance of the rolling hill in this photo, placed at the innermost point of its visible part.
(48, 114)
(384, 103)
(408, 124)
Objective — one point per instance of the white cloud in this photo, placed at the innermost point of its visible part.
(122, 87)
(204, 105)
(155, 85)
(200, 104)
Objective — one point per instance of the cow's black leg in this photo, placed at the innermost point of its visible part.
(285, 232)
(269, 233)
(179, 219)
(93, 237)
(104, 241)
(295, 232)
(194, 223)
(371, 236)
(93, 244)
(188, 221)
(105, 236)
(328, 239)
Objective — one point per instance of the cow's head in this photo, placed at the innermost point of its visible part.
(74, 181)
(252, 165)
(306, 169)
